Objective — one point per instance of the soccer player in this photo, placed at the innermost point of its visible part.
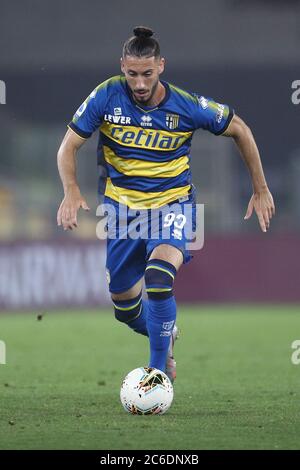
(146, 127)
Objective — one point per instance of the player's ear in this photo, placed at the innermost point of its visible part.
(161, 66)
(122, 64)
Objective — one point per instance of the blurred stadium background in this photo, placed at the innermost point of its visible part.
(237, 386)
(54, 53)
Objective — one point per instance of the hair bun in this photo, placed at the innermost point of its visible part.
(142, 32)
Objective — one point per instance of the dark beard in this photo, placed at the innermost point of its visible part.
(146, 103)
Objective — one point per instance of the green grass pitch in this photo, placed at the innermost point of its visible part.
(236, 388)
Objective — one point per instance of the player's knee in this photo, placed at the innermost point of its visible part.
(159, 279)
(128, 310)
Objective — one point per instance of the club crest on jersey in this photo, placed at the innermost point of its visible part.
(146, 121)
(172, 121)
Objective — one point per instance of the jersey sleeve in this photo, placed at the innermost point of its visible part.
(210, 115)
(89, 115)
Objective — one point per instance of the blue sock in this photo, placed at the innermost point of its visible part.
(160, 322)
(140, 323)
(133, 312)
(159, 278)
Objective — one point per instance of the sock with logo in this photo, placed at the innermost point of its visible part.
(159, 278)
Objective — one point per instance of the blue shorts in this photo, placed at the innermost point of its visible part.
(132, 235)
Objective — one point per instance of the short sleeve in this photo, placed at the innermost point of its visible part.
(211, 116)
(89, 115)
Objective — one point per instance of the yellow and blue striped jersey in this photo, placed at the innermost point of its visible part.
(147, 150)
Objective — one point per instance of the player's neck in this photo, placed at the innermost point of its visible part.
(158, 96)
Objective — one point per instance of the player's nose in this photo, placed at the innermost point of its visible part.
(140, 85)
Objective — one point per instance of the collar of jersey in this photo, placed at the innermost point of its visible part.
(148, 109)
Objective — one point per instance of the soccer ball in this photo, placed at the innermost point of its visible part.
(146, 391)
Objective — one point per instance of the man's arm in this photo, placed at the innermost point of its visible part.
(66, 161)
(261, 200)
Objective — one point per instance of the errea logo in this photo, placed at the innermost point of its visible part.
(146, 121)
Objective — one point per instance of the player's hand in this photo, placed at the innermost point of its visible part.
(264, 207)
(67, 212)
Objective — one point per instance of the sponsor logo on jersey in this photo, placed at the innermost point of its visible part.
(202, 101)
(144, 138)
(220, 112)
(117, 119)
(172, 121)
(146, 121)
(117, 111)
